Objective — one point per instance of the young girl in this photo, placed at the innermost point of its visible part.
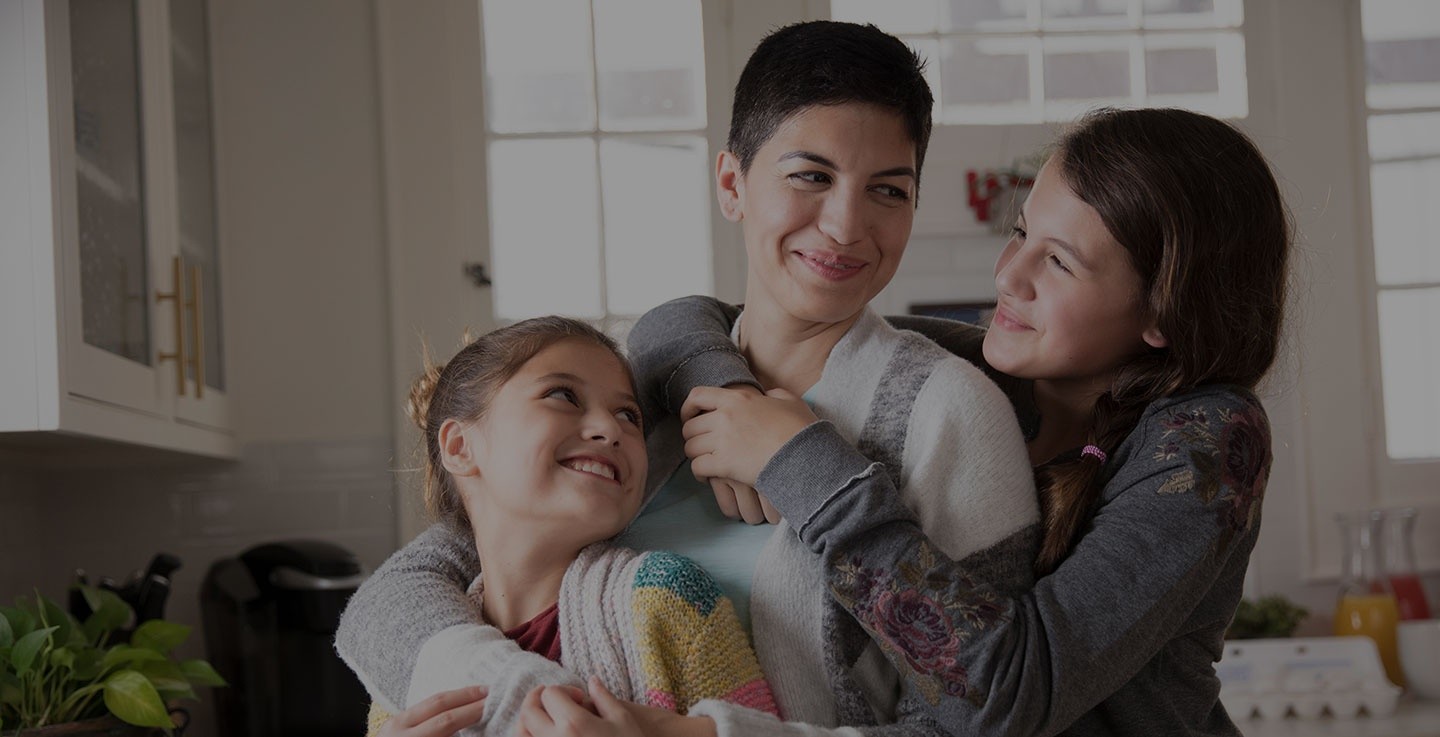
(534, 445)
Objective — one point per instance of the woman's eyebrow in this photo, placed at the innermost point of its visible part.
(899, 171)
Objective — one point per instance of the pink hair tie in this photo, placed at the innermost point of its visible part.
(1094, 450)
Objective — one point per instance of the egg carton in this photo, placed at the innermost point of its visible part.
(1305, 677)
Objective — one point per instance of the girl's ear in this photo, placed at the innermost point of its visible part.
(457, 452)
(729, 186)
(1154, 338)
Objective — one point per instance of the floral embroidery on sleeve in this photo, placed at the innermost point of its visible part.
(918, 618)
(1229, 460)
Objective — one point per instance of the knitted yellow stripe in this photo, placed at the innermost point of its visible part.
(685, 654)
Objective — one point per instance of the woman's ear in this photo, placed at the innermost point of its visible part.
(457, 451)
(729, 186)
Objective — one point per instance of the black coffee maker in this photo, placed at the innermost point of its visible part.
(270, 616)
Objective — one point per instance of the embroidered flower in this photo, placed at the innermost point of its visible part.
(1183, 419)
(916, 625)
(1244, 449)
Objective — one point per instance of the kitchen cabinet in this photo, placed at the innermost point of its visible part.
(110, 312)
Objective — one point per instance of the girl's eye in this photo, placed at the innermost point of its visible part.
(1017, 232)
(630, 415)
(565, 393)
(1055, 260)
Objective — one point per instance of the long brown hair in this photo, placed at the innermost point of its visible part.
(1195, 204)
(462, 388)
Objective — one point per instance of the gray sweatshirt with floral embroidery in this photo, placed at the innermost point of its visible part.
(1120, 640)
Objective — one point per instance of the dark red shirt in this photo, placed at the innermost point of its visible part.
(541, 635)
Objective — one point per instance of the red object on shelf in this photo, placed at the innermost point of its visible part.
(983, 188)
(1410, 596)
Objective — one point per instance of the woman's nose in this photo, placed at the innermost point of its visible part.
(842, 216)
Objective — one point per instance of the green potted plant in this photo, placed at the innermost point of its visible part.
(59, 676)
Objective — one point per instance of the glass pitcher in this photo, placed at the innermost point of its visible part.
(1367, 602)
(1399, 563)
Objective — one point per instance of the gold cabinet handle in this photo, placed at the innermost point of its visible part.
(197, 332)
(175, 296)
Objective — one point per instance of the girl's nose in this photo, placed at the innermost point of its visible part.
(1012, 277)
(602, 427)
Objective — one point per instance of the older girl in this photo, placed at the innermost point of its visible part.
(534, 445)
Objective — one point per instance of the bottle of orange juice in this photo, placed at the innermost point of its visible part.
(1367, 604)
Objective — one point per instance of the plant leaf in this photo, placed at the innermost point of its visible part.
(27, 647)
(63, 657)
(159, 635)
(163, 674)
(7, 635)
(175, 694)
(127, 655)
(21, 623)
(200, 673)
(129, 696)
(108, 613)
(87, 664)
(52, 615)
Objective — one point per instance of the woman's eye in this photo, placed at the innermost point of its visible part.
(1055, 261)
(1017, 232)
(810, 179)
(893, 192)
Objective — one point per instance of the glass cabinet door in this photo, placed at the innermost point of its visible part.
(110, 194)
(195, 190)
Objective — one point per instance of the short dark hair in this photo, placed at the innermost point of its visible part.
(827, 63)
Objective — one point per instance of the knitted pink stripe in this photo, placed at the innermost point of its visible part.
(661, 700)
(756, 695)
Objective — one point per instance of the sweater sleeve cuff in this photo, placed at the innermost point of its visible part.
(811, 471)
(713, 366)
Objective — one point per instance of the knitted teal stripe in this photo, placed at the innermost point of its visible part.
(682, 576)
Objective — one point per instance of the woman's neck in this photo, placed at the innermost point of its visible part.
(1065, 416)
(785, 352)
(522, 573)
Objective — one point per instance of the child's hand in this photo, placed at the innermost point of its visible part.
(743, 502)
(561, 711)
(733, 433)
(441, 715)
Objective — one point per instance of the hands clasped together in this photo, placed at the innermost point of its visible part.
(548, 711)
(731, 433)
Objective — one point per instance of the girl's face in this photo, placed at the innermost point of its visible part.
(1070, 309)
(826, 209)
(560, 451)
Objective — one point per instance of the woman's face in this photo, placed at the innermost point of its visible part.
(1070, 308)
(560, 450)
(826, 210)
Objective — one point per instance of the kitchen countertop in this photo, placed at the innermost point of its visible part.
(1412, 718)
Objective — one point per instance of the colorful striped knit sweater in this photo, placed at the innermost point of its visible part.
(653, 626)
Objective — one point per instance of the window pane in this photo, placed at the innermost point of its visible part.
(984, 72)
(545, 228)
(1086, 74)
(894, 16)
(1181, 71)
(657, 221)
(538, 66)
(650, 56)
(1085, 13)
(1394, 136)
(1410, 361)
(1402, 52)
(1406, 221)
(983, 15)
(1191, 13)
